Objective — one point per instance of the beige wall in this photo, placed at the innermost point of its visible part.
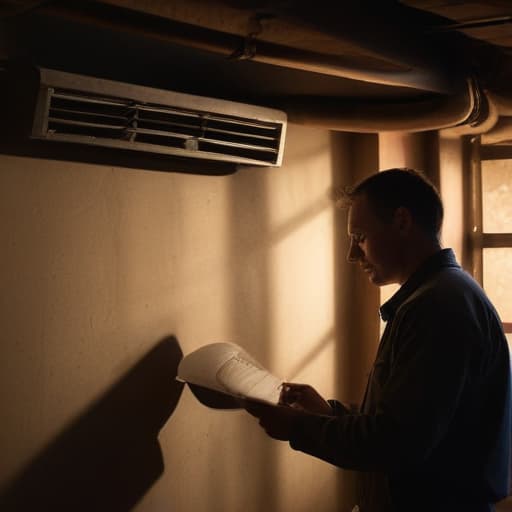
(454, 189)
(441, 157)
(108, 274)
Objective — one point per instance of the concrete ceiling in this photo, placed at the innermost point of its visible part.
(270, 51)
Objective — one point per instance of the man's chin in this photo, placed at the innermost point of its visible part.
(376, 279)
(382, 282)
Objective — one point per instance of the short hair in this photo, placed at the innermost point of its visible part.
(401, 187)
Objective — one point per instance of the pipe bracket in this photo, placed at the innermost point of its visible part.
(247, 49)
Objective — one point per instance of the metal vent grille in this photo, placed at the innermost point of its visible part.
(69, 115)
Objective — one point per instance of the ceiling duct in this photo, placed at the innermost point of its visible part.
(86, 110)
(377, 37)
(428, 113)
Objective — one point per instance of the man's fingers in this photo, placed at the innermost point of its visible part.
(293, 394)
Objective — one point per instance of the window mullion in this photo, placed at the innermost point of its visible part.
(495, 240)
(476, 212)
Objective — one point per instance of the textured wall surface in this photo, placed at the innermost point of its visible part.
(110, 274)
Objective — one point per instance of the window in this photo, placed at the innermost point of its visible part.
(492, 226)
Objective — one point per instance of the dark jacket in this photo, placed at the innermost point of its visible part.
(434, 428)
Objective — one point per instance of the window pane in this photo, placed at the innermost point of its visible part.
(497, 196)
(497, 278)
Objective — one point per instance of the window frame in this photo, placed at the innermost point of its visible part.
(479, 240)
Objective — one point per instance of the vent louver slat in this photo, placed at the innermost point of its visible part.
(127, 122)
(178, 135)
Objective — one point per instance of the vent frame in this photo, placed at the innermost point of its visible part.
(156, 120)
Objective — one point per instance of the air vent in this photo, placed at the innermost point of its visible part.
(74, 108)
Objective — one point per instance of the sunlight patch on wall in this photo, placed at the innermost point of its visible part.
(301, 286)
(301, 262)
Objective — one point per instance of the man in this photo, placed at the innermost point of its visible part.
(433, 431)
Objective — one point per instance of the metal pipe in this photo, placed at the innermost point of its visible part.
(394, 33)
(503, 104)
(433, 113)
(482, 125)
(501, 132)
(430, 113)
(230, 45)
(477, 23)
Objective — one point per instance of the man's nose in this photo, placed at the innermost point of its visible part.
(354, 252)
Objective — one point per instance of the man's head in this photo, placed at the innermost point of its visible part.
(395, 220)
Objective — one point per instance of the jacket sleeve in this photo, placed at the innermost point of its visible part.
(428, 373)
(338, 409)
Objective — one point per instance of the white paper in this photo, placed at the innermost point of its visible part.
(228, 368)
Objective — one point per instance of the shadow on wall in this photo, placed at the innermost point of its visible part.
(108, 458)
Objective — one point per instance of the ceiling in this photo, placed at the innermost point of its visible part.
(323, 59)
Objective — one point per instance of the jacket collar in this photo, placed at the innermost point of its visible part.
(441, 259)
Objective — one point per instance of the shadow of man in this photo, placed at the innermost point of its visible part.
(109, 457)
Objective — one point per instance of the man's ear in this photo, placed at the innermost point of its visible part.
(402, 220)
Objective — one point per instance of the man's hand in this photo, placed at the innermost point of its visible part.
(304, 398)
(295, 401)
(277, 421)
